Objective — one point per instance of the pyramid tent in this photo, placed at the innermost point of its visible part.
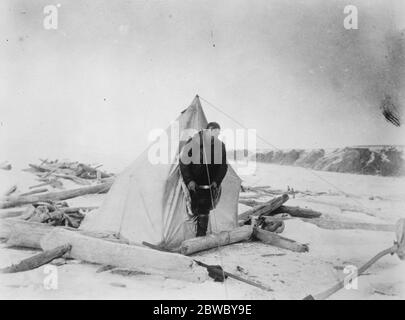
(147, 200)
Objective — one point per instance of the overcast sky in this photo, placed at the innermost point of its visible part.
(114, 70)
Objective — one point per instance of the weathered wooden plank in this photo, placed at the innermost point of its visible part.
(55, 196)
(34, 192)
(37, 260)
(28, 234)
(278, 241)
(223, 238)
(11, 213)
(298, 212)
(343, 206)
(23, 233)
(264, 209)
(348, 225)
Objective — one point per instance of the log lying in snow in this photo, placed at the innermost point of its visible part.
(103, 251)
(39, 168)
(72, 178)
(37, 260)
(23, 233)
(264, 209)
(52, 182)
(293, 211)
(34, 192)
(339, 225)
(11, 213)
(250, 202)
(90, 170)
(56, 196)
(277, 217)
(278, 241)
(120, 255)
(223, 238)
(75, 209)
(28, 234)
(297, 212)
(343, 206)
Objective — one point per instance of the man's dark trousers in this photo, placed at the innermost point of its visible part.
(201, 204)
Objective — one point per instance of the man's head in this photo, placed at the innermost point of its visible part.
(213, 129)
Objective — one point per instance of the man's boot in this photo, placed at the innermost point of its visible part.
(202, 225)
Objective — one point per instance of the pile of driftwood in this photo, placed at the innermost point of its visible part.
(262, 222)
(11, 201)
(265, 221)
(55, 214)
(49, 172)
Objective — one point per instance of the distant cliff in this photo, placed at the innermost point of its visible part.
(373, 160)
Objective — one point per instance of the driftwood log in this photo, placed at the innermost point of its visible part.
(37, 260)
(34, 192)
(121, 255)
(23, 233)
(39, 168)
(343, 206)
(55, 183)
(339, 225)
(293, 211)
(55, 196)
(11, 213)
(85, 168)
(278, 241)
(276, 217)
(76, 209)
(223, 238)
(28, 234)
(297, 212)
(250, 202)
(73, 178)
(263, 209)
(276, 226)
(92, 248)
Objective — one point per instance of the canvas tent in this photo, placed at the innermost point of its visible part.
(147, 200)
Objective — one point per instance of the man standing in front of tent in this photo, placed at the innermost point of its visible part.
(203, 167)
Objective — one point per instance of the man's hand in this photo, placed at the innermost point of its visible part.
(192, 185)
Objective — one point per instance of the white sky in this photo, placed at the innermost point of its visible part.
(114, 70)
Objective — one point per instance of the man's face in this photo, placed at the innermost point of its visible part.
(213, 132)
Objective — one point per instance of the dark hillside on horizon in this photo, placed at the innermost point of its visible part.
(369, 160)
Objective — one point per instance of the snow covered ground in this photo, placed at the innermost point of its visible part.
(290, 275)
